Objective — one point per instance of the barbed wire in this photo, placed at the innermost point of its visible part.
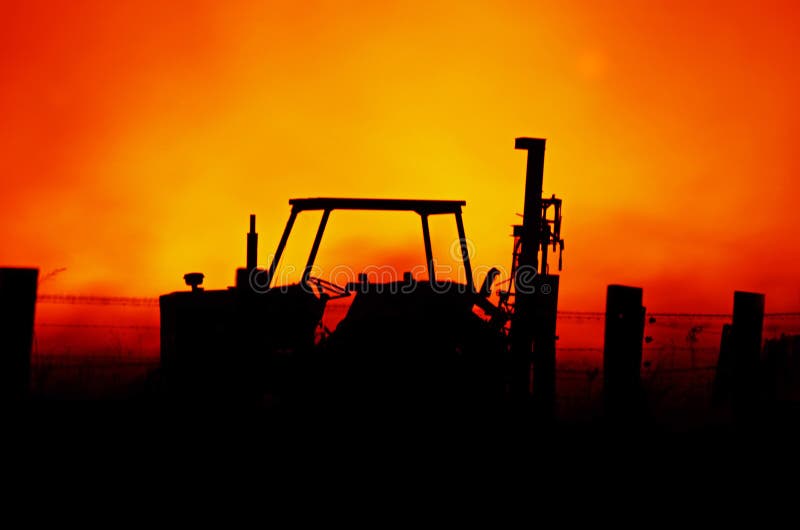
(78, 299)
(151, 301)
(114, 326)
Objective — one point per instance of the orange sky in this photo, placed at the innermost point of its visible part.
(136, 137)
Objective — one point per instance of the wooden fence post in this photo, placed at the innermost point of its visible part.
(17, 308)
(622, 353)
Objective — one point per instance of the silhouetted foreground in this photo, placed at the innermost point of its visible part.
(420, 352)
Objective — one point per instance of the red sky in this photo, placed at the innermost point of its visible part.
(136, 137)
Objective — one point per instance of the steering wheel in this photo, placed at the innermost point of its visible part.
(325, 287)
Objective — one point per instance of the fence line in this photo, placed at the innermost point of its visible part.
(96, 300)
(78, 299)
(112, 326)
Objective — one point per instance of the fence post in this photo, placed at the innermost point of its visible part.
(738, 374)
(748, 322)
(17, 308)
(622, 353)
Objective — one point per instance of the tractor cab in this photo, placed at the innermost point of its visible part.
(403, 339)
